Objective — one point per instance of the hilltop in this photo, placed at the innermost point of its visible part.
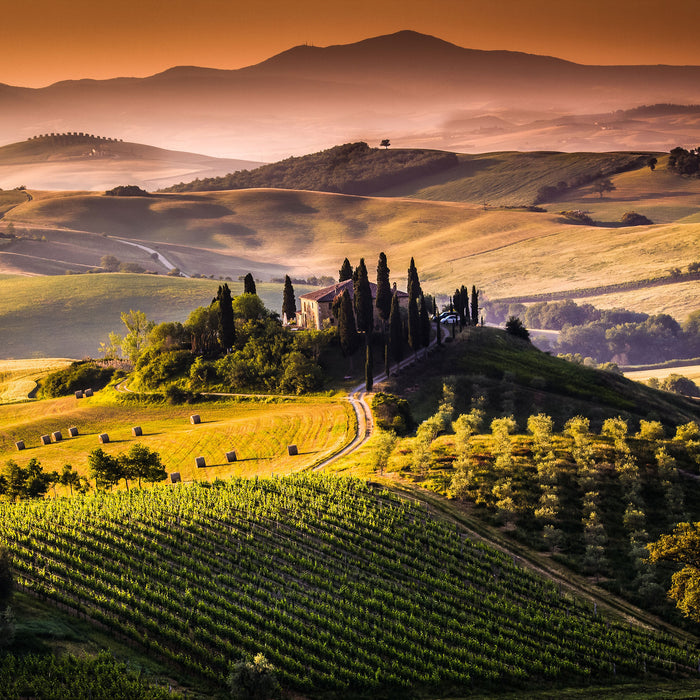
(78, 161)
(413, 88)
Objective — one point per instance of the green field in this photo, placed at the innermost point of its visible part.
(258, 430)
(346, 589)
(71, 315)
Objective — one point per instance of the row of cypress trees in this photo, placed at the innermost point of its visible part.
(356, 316)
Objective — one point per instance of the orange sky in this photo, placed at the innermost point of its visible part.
(49, 40)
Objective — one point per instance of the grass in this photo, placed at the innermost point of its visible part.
(258, 430)
(71, 315)
(18, 378)
(689, 371)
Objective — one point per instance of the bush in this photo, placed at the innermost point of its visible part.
(77, 376)
(576, 216)
(631, 218)
(392, 413)
(127, 191)
(678, 384)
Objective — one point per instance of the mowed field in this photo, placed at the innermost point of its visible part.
(70, 315)
(690, 371)
(18, 378)
(259, 431)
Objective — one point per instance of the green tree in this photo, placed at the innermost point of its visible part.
(602, 186)
(141, 463)
(345, 272)
(249, 284)
(253, 680)
(475, 306)
(369, 363)
(362, 293)
(413, 283)
(424, 323)
(6, 577)
(347, 332)
(202, 325)
(227, 327)
(383, 443)
(515, 327)
(384, 294)
(138, 327)
(414, 332)
(289, 303)
(395, 330)
(18, 483)
(682, 547)
(104, 469)
(385, 143)
(69, 478)
(110, 263)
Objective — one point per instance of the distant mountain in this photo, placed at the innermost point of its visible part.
(78, 161)
(405, 86)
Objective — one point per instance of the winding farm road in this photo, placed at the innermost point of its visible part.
(159, 256)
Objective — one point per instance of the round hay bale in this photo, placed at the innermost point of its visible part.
(136, 431)
(20, 444)
(78, 394)
(231, 456)
(195, 419)
(73, 432)
(56, 435)
(45, 439)
(175, 478)
(292, 450)
(88, 392)
(103, 438)
(200, 462)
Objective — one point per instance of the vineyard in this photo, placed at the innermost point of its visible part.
(344, 588)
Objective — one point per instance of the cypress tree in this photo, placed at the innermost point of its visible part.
(345, 272)
(364, 311)
(438, 325)
(369, 364)
(383, 302)
(413, 285)
(424, 322)
(475, 306)
(227, 327)
(289, 303)
(414, 333)
(347, 331)
(396, 330)
(249, 284)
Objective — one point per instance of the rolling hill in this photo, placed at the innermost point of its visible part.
(416, 89)
(85, 162)
(64, 316)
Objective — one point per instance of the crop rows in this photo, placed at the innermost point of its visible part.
(341, 587)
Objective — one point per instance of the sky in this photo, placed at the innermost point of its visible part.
(50, 40)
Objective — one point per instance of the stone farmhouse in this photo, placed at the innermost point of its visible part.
(316, 307)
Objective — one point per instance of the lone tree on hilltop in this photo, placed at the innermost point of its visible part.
(345, 272)
(249, 284)
(289, 303)
(604, 185)
(385, 143)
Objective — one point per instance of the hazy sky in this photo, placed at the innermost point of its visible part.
(49, 40)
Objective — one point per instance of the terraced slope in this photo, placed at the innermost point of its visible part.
(342, 587)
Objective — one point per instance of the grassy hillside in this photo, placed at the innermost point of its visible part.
(18, 378)
(515, 377)
(505, 252)
(512, 178)
(71, 315)
(258, 430)
(346, 590)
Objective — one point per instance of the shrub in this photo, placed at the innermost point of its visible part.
(631, 218)
(392, 413)
(126, 191)
(576, 216)
(78, 375)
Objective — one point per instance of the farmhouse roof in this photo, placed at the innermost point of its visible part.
(330, 293)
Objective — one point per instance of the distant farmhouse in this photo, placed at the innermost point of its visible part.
(317, 307)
